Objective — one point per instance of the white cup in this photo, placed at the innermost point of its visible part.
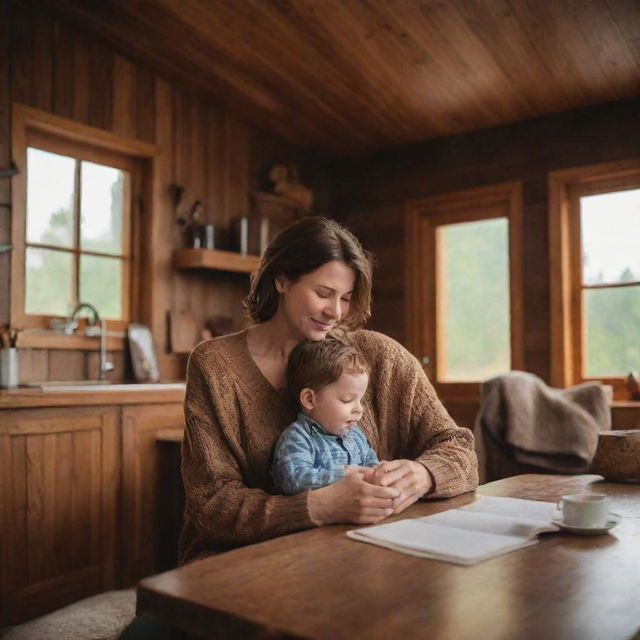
(8, 368)
(585, 510)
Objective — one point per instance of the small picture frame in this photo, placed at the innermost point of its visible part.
(143, 355)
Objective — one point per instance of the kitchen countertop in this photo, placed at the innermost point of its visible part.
(90, 394)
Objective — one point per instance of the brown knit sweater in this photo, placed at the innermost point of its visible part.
(234, 417)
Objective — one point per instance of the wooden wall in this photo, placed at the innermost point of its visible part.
(5, 159)
(46, 64)
(372, 192)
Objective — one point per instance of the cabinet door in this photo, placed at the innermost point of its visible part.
(58, 503)
(146, 483)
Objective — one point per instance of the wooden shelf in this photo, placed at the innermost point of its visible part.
(214, 259)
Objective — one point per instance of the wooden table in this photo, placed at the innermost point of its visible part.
(320, 584)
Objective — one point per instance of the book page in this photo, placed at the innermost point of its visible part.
(459, 546)
(489, 523)
(532, 510)
(488, 527)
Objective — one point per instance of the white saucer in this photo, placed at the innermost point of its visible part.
(614, 519)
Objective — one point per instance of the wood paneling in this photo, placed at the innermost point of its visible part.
(59, 506)
(381, 231)
(33, 365)
(124, 98)
(101, 89)
(41, 84)
(66, 365)
(82, 78)
(354, 76)
(187, 174)
(163, 221)
(63, 81)
(146, 116)
(5, 159)
(5, 110)
(22, 29)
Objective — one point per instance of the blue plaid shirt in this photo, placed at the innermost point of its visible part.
(308, 457)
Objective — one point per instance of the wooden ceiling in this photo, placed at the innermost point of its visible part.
(353, 76)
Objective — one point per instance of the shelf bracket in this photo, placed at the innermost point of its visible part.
(10, 172)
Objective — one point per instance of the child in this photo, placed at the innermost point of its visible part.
(328, 379)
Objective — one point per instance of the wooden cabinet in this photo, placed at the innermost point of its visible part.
(145, 526)
(85, 493)
(58, 506)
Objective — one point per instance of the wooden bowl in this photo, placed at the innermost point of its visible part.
(617, 457)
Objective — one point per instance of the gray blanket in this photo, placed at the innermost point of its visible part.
(534, 425)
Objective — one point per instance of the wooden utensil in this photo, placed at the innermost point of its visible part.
(183, 331)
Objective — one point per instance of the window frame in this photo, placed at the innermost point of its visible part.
(422, 217)
(565, 252)
(32, 127)
(80, 153)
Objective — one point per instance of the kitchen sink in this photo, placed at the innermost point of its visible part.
(100, 385)
(67, 383)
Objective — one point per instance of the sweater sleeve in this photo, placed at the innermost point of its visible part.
(444, 448)
(221, 510)
(422, 429)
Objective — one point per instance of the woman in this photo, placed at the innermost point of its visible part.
(314, 278)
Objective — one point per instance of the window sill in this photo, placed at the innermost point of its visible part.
(43, 339)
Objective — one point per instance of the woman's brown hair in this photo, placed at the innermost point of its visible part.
(302, 248)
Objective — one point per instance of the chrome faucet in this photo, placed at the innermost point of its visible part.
(95, 326)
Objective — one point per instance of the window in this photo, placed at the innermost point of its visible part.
(595, 239)
(464, 287)
(473, 268)
(73, 230)
(76, 247)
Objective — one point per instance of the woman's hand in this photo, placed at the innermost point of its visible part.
(409, 477)
(352, 499)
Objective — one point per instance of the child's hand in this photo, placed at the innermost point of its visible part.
(410, 477)
(378, 473)
(366, 473)
(354, 469)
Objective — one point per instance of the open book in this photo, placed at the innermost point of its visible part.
(488, 527)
